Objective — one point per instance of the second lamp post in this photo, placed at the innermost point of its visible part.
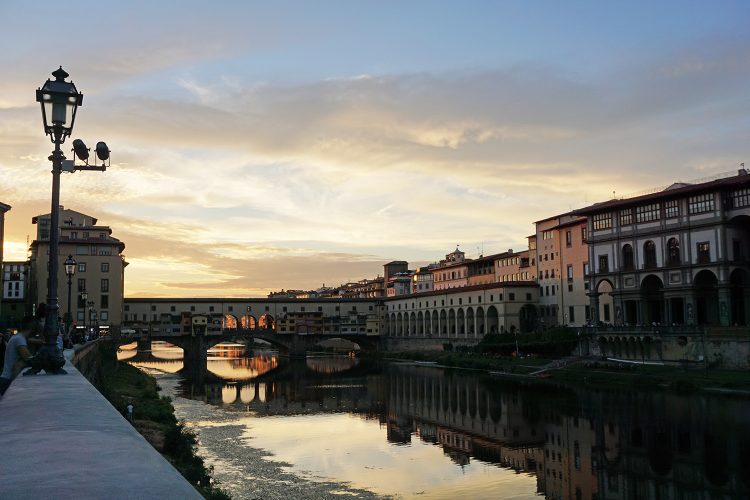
(70, 271)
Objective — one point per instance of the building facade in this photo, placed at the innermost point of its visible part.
(677, 256)
(515, 266)
(451, 272)
(466, 313)
(100, 268)
(422, 280)
(14, 306)
(562, 261)
(548, 271)
(284, 316)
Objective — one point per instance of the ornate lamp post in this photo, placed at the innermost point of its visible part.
(84, 301)
(91, 314)
(70, 270)
(59, 101)
(96, 324)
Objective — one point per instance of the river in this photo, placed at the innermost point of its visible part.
(340, 427)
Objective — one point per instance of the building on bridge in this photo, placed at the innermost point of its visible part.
(283, 316)
(680, 255)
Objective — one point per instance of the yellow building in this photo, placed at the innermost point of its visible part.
(99, 270)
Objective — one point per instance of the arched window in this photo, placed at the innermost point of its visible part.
(673, 252)
(649, 255)
(628, 262)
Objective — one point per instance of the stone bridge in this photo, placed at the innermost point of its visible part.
(195, 347)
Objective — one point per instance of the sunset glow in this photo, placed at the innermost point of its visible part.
(262, 146)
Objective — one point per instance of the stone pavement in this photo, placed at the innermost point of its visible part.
(61, 439)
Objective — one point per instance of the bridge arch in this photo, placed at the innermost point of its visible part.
(229, 322)
(248, 322)
(493, 320)
(267, 322)
(480, 321)
(706, 298)
(470, 317)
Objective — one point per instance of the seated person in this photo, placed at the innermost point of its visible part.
(16, 357)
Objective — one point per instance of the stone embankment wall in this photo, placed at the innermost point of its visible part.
(401, 344)
(724, 351)
(730, 353)
(87, 360)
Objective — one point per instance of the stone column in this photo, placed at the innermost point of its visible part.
(594, 301)
(724, 305)
(690, 309)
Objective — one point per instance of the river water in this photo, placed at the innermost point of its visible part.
(340, 427)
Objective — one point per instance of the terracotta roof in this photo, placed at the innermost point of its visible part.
(677, 190)
(573, 222)
(472, 288)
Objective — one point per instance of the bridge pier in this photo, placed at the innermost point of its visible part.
(144, 343)
(195, 353)
(298, 348)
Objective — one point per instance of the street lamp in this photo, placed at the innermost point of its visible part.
(96, 323)
(70, 270)
(59, 101)
(90, 303)
(84, 301)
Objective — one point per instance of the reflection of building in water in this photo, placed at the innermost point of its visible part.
(228, 351)
(462, 402)
(670, 446)
(570, 466)
(243, 368)
(579, 444)
(457, 445)
(296, 389)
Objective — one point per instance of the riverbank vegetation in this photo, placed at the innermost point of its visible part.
(153, 417)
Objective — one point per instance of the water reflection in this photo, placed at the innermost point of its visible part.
(331, 364)
(431, 433)
(226, 361)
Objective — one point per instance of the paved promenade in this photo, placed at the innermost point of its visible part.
(60, 439)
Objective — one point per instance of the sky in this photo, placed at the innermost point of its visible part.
(260, 146)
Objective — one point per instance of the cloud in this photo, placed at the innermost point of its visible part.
(224, 184)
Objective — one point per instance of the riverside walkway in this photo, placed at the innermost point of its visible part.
(61, 439)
